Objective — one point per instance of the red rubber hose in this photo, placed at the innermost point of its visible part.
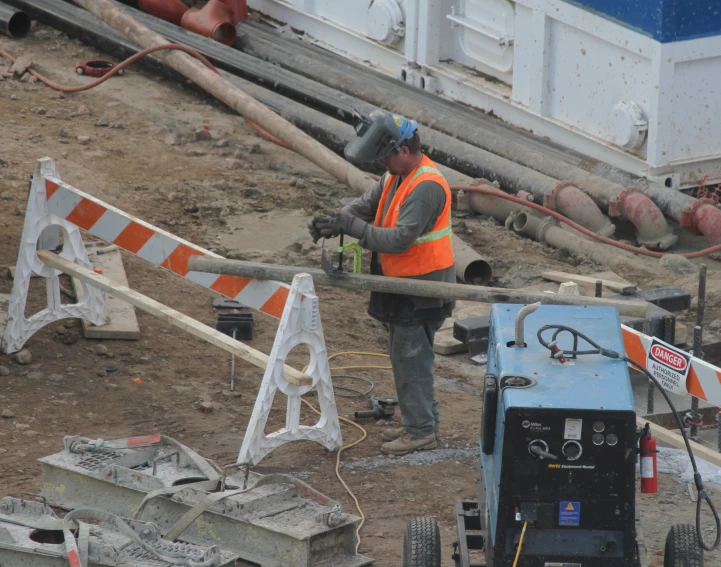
(129, 61)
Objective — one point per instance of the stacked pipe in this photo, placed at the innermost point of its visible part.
(629, 203)
(644, 208)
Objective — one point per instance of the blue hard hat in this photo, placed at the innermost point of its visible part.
(406, 127)
(378, 135)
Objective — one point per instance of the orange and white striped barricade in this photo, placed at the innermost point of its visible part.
(676, 370)
(53, 202)
(38, 218)
(300, 324)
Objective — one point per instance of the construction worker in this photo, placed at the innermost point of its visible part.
(405, 220)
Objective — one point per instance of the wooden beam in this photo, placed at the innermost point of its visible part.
(675, 440)
(562, 277)
(170, 315)
(406, 286)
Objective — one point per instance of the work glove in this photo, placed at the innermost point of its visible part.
(313, 228)
(341, 222)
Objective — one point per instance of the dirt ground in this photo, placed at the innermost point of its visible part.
(144, 157)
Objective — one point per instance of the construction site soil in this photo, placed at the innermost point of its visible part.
(174, 157)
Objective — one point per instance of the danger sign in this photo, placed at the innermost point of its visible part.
(669, 365)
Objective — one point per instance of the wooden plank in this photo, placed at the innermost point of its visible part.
(406, 286)
(562, 277)
(171, 316)
(675, 440)
(122, 322)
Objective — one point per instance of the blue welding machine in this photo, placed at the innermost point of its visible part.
(558, 445)
(558, 452)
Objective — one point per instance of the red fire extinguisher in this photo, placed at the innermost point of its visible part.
(649, 475)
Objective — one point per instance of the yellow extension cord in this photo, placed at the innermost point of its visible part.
(354, 424)
(520, 544)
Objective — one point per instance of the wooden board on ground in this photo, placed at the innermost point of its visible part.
(611, 284)
(444, 343)
(122, 321)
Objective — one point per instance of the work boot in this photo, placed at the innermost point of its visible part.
(396, 432)
(406, 443)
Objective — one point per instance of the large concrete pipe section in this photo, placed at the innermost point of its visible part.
(471, 267)
(546, 230)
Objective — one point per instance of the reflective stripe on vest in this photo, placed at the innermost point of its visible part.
(431, 236)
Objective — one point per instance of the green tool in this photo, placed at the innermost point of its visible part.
(327, 261)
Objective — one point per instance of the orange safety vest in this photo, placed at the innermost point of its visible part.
(431, 251)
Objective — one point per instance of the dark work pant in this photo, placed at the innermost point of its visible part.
(411, 352)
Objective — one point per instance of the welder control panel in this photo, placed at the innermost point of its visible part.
(571, 456)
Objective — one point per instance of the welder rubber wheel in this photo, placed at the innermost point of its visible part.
(682, 547)
(422, 543)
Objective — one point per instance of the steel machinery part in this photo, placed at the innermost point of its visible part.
(281, 523)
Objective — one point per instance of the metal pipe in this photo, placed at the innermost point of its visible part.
(547, 231)
(214, 84)
(567, 199)
(169, 10)
(523, 312)
(637, 208)
(405, 286)
(214, 20)
(471, 267)
(497, 207)
(14, 23)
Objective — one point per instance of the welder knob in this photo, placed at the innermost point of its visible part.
(539, 448)
(572, 450)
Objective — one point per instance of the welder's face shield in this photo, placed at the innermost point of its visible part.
(377, 138)
(378, 135)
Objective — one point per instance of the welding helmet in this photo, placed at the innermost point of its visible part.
(378, 135)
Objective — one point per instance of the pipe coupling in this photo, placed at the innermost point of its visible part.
(571, 201)
(634, 206)
(690, 217)
(615, 205)
(530, 226)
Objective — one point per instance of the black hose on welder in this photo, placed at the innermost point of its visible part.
(597, 349)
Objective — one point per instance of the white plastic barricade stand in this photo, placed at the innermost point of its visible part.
(299, 324)
(38, 218)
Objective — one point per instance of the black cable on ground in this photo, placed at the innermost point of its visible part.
(353, 393)
(597, 349)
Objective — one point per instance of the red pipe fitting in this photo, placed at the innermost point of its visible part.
(169, 10)
(567, 199)
(634, 206)
(239, 9)
(703, 217)
(215, 21)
